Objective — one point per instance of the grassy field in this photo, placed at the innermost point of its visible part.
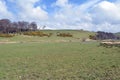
(57, 58)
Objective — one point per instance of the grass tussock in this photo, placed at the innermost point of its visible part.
(6, 35)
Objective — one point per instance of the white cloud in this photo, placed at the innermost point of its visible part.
(61, 3)
(4, 13)
(92, 15)
(107, 27)
(72, 16)
(29, 12)
(106, 12)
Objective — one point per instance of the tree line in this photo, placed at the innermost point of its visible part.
(7, 26)
(104, 35)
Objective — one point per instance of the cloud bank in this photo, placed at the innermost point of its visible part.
(93, 15)
(4, 13)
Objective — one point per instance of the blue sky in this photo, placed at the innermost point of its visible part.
(92, 15)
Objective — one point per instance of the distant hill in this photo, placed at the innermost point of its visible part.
(75, 33)
(118, 34)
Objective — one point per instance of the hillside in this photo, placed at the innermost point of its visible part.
(78, 35)
(118, 34)
(25, 57)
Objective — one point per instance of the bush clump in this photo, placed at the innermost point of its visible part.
(104, 35)
(6, 35)
(37, 33)
(64, 35)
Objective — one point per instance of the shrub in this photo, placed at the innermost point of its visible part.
(6, 35)
(37, 33)
(64, 35)
(92, 37)
(104, 35)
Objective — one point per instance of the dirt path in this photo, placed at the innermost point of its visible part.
(2, 42)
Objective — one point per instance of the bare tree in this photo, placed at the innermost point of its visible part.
(33, 26)
(6, 26)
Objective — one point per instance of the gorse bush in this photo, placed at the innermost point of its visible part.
(92, 37)
(64, 35)
(37, 33)
(6, 35)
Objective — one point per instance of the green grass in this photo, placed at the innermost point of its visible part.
(58, 61)
(51, 60)
(77, 36)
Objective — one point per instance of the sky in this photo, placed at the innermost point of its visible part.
(92, 15)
